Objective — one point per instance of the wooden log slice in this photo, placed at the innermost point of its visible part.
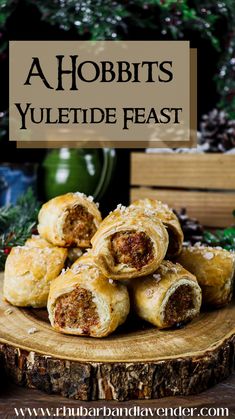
(143, 363)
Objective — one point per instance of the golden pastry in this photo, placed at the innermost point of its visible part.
(37, 241)
(29, 270)
(169, 296)
(84, 302)
(214, 269)
(129, 243)
(169, 219)
(69, 220)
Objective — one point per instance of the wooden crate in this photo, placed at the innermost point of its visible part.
(203, 183)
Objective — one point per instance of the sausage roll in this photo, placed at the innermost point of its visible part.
(69, 220)
(169, 296)
(37, 241)
(214, 269)
(29, 270)
(84, 302)
(129, 243)
(169, 219)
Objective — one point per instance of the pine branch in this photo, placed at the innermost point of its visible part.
(17, 223)
(103, 19)
(224, 238)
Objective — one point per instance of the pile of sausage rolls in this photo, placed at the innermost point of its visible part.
(90, 273)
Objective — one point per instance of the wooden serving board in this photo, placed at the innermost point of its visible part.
(130, 364)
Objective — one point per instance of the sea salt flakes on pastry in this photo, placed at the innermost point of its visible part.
(169, 219)
(129, 243)
(29, 271)
(169, 296)
(69, 220)
(214, 269)
(84, 302)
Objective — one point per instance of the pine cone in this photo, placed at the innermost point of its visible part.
(192, 229)
(217, 131)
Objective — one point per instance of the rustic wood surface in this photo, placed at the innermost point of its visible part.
(204, 171)
(212, 209)
(145, 363)
(12, 396)
(203, 183)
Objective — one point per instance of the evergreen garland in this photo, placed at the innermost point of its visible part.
(103, 19)
(107, 19)
(226, 78)
(17, 223)
(194, 232)
(223, 238)
(111, 19)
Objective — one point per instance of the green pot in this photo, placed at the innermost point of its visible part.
(84, 170)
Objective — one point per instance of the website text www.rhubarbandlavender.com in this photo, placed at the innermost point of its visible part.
(128, 412)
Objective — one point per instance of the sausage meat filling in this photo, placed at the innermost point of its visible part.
(173, 246)
(76, 310)
(132, 248)
(78, 225)
(178, 305)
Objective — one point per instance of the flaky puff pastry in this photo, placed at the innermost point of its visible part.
(129, 243)
(84, 302)
(169, 296)
(29, 271)
(69, 220)
(37, 241)
(169, 219)
(73, 252)
(214, 269)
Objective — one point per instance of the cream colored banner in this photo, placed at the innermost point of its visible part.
(105, 93)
